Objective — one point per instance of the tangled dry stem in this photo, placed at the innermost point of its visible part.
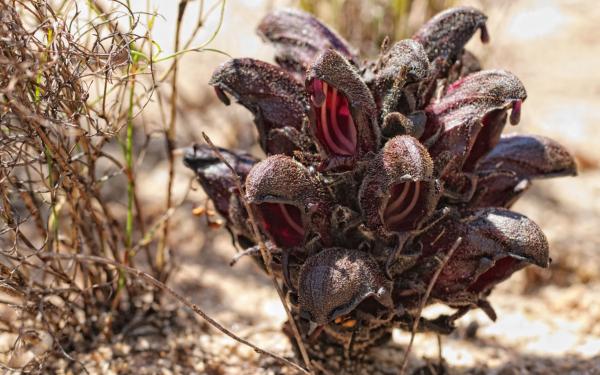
(430, 286)
(61, 81)
(184, 301)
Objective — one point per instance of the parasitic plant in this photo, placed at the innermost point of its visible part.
(381, 177)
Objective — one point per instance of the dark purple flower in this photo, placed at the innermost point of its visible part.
(371, 179)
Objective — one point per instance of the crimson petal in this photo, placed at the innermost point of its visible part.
(343, 111)
(335, 126)
(283, 222)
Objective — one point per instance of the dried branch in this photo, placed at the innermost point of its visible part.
(424, 302)
(170, 136)
(265, 254)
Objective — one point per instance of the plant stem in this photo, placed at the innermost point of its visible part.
(424, 301)
(265, 255)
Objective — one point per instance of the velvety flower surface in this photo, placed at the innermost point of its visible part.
(376, 170)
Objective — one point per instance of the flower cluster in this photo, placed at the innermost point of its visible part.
(376, 170)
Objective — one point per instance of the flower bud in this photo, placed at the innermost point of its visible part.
(398, 191)
(288, 199)
(276, 99)
(343, 116)
(298, 38)
(335, 281)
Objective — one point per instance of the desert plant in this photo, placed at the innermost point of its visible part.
(387, 184)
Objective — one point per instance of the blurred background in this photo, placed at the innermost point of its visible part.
(549, 320)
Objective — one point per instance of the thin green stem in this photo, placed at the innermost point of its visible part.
(53, 220)
(128, 154)
(196, 49)
(129, 160)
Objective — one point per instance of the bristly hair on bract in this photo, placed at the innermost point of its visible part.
(375, 170)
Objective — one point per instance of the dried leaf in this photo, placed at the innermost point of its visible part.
(214, 176)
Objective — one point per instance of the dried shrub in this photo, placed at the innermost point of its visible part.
(81, 264)
(69, 92)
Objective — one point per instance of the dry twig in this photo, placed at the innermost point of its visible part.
(265, 254)
(424, 301)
